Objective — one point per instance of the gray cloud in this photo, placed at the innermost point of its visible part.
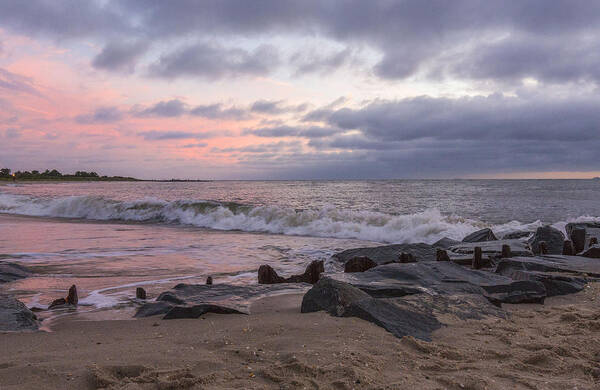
(275, 107)
(120, 56)
(16, 83)
(307, 62)
(196, 145)
(169, 108)
(101, 115)
(213, 62)
(163, 135)
(292, 131)
(218, 111)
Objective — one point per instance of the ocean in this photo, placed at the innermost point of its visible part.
(110, 237)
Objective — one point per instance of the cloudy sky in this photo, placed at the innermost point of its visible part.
(275, 89)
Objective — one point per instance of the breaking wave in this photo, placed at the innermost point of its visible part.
(427, 226)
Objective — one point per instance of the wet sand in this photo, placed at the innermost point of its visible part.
(554, 346)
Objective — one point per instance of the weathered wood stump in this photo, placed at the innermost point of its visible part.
(568, 248)
(543, 248)
(442, 255)
(359, 264)
(477, 257)
(209, 281)
(406, 258)
(140, 293)
(506, 253)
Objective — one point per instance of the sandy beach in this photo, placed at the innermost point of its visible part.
(551, 346)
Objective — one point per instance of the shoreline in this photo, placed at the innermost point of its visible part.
(548, 346)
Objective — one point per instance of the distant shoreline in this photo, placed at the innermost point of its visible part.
(88, 179)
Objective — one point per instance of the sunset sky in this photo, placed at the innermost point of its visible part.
(301, 89)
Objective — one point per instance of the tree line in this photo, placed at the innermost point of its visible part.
(6, 173)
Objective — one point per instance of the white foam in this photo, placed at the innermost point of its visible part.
(427, 226)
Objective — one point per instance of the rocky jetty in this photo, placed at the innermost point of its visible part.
(267, 275)
(15, 316)
(389, 253)
(553, 239)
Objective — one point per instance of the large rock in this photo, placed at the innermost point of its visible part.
(227, 297)
(389, 253)
(516, 235)
(267, 275)
(343, 300)
(198, 310)
(12, 271)
(553, 238)
(480, 236)
(15, 316)
(440, 278)
(592, 252)
(359, 264)
(445, 243)
(493, 248)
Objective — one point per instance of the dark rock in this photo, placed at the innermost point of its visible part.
(553, 238)
(516, 235)
(436, 279)
(445, 243)
(477, 258)
(492, 248)
(359, 264)
(523, 291)
(140, 293)
(198, 310)
(568, 249)
(406, 258)
(57, 303)
(442, 255)
(543, 248)
(267, 275)
(72, 298)
(224, 295)
(209, 281)
(389, 253)
(577, 235)
(15, 316)
(480, 235)
(343, 300)
(506, 252)
(12, 271)
(581, 266)
(555, 283)
(592, 252)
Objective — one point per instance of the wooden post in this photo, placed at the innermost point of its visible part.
(72, 298)
(568, 249)
(543, 248)
(140, 293)
(442, 255)
(506, 251)
(593, 241)
(477, 257)
(209, 281)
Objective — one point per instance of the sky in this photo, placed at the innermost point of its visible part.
(277, 89)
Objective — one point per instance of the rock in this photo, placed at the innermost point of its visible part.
(553, 238)
(267, 275)
(439, 278)
(593, 241)
(406, 258)
(198, 310)
(592, 252)
(477, 258)
(72, 298)
(442, 255)
(445, 243)
(581, 266)
(506, 252)
(516, 235)
(359, 264)
(12, 271)
(568, 249)
(223, 295)
(543, 248)
(343, 300)
(523, 291)
(577, 235)
(209, 281)
(480, 235)
(15, 316)
(57, 303)
(140, 293)
(388, 253)
(492, 248)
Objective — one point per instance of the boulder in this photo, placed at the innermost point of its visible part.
(445, 243)
(60, 302)
(553, 238)
(359, 264)
(198, 310)
(523, 291)
(480, 235)
(267, 275)
(592, 252)
(227, 296)
(577, 236)
(439, 278)
(15, 316)
(12, 271)
(516, 235)
(581, 266)
(343, 300)
(388, 253)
